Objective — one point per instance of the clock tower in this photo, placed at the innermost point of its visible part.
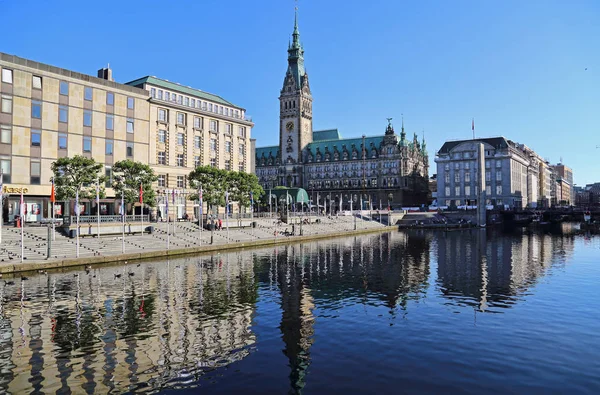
(295, 114)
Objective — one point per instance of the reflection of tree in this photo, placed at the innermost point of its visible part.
(129, 319)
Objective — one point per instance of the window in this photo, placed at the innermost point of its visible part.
(162, 136)
(467, 165)
(36, 170)
(36, 138)
(241, 150)
(5, 166)
(221, 110)
(162, 158)
(242, 131)
(153, 92)
(457, 165)
(64, 88)
(130, 103)
(108, 175)
(213, 126)
(87, 144)
(7, 76)
(213, 145)
(109, 147)
(228, 128)
(447, 178)
(87, 118)
(180, 182)
(196, 161)
(187, 101)
(197, 142)
(227, 164)
(181, 119)
(213, 162)
(163, 115)
(488, 176)
(456, 191)
(228, 146)
(446, 166)
(241, 166)
(210, 107)
(447, 191)
(36, 82)
(498, 164)
(468, 190)
(129, 125)
(167, 96)
(179, 99)
(110, 122)
(6, 103)
(457, 177)
(62, 141)
(198, 122)
(468, 176)
(498, 189)
(498, 176)
(180, 138)
(487, 164)
(110, 98)
(193, 104)
(88, 93)
(36, 109)
(63, 114)
(160, 94)
(180, 160)
(488, 190)
(162, 180)
(129, 149)
(5, 134)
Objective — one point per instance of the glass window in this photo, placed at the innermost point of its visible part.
(109, 147)
(488, 190)
(498, 176)
(5, 166)
(213, 145)
(193, 103)
(196, 161)
(153, 92)
(35, 172)
(447, 190)
(160, 94)
(87, 118)
(62, 141)
(228, 146)
(36, 138)
(36, 82)
(197, 142)
(227, 164)
(468, 176)
(129, 125)
(162, 136)
(221, 110)
(213, 126)
(241, 168)
(198, 122)
(110, 122)
(88, 94)
(110, 98)
(179, 99)
(108, 175)
(64, 88)
(129, 149)
(488, 176)
(36, 109)
(213, 162)
(242, 131)
(174, 97)
(499, 190)
(241, 149)
(167, 96)
(210, 106)
(180, 182)
(228, 127)
(6, 103)
(7, 76)
(180, 118)
(180, 160)
(467, 190)
(456, 177)
(5, 134)
(162, 158)
(63, 114)
(130, 103)
(187, 101)
(162, 180)
(498, 164)
(162, 115)
(180, 138)
(87, 144)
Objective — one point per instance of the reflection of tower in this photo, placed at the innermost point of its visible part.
(296, 325)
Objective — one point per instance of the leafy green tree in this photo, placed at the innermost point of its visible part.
(127, 177)
(214, 184)
(241, 185)
(77, 174)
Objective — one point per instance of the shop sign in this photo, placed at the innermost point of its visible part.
(8, 189)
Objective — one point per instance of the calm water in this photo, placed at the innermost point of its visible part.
(415, 312)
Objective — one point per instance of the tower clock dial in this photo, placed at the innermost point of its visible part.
(289, 126)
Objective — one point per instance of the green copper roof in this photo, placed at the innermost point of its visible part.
(329, 134)
(339, 144)
(272, 150)
(180, 88)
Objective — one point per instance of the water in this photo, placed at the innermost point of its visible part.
(411, 312)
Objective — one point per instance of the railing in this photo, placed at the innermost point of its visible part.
(93, 219)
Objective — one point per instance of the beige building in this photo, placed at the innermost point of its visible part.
(190, 128)
(47, 112)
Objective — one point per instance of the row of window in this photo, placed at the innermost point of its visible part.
(467, 176)
(36, 83)
(163, 116)
(162, 138)
(467, 165)
(194, 103)
(457, 190)
(354, 183)
(35, 170)
(180, 161)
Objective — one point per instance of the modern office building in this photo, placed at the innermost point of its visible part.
(376, 170)
(191, 128)
(565, 194)
(515, 175)
(47, 113)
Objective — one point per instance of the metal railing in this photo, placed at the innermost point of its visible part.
(93, 219)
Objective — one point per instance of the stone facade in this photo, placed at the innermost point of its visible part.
(376, 170)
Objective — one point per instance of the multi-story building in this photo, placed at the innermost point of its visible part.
(380, 169)
(47, 113)
(191, 128)
(514, 174)
(564, 178)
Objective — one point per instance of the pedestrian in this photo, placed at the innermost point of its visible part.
(220, 224)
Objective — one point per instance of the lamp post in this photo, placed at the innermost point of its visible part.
(390, 198)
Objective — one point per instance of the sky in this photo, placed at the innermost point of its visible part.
(526, 70)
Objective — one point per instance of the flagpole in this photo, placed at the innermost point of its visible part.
(200, 211)
(227, 214)
(77, 224)
(52, 202)
(22, 226)
(270, 205)
(252, 213)
(142, 207)
(167, 215)
(1, 202)
(123, 220)
(98, 203)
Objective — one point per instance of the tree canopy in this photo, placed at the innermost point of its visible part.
(127, 177)
(215, 182)
(77, 174)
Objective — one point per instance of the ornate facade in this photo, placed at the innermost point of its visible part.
(376, 170)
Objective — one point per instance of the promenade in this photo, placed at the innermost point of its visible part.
(183, 238)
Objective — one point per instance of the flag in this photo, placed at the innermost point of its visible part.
(251, 198)
(22, 206)
(2, 184)
(77, 203)
(227, 202)
(97, 192)
(473, 124)
(173, 194)
(167, 206)
(52, 192)
(200, 199)
(141, 194)
(122, 210)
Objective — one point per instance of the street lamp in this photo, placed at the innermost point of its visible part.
(390, 198)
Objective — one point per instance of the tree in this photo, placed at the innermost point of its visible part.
(214, 184)
(77, 175)
(241, 185)
(127, 177)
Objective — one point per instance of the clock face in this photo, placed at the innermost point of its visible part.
(289, 126)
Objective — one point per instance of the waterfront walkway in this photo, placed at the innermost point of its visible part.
(182, 236)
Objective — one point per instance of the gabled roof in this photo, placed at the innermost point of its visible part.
(496, 142)
(180, 88)
(271, 150)
(327, 134)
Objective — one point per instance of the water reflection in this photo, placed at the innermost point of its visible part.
(154, 326)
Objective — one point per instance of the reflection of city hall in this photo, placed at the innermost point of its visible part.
(374, 169)
(48, 113)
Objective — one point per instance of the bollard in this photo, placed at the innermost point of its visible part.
(49, 243)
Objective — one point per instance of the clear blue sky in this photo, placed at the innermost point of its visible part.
(517, 67)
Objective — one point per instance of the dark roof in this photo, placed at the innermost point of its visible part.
(271, 150)
(328, 134)
(340, 143)
(496, 142)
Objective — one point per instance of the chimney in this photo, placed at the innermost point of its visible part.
(105, 73)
